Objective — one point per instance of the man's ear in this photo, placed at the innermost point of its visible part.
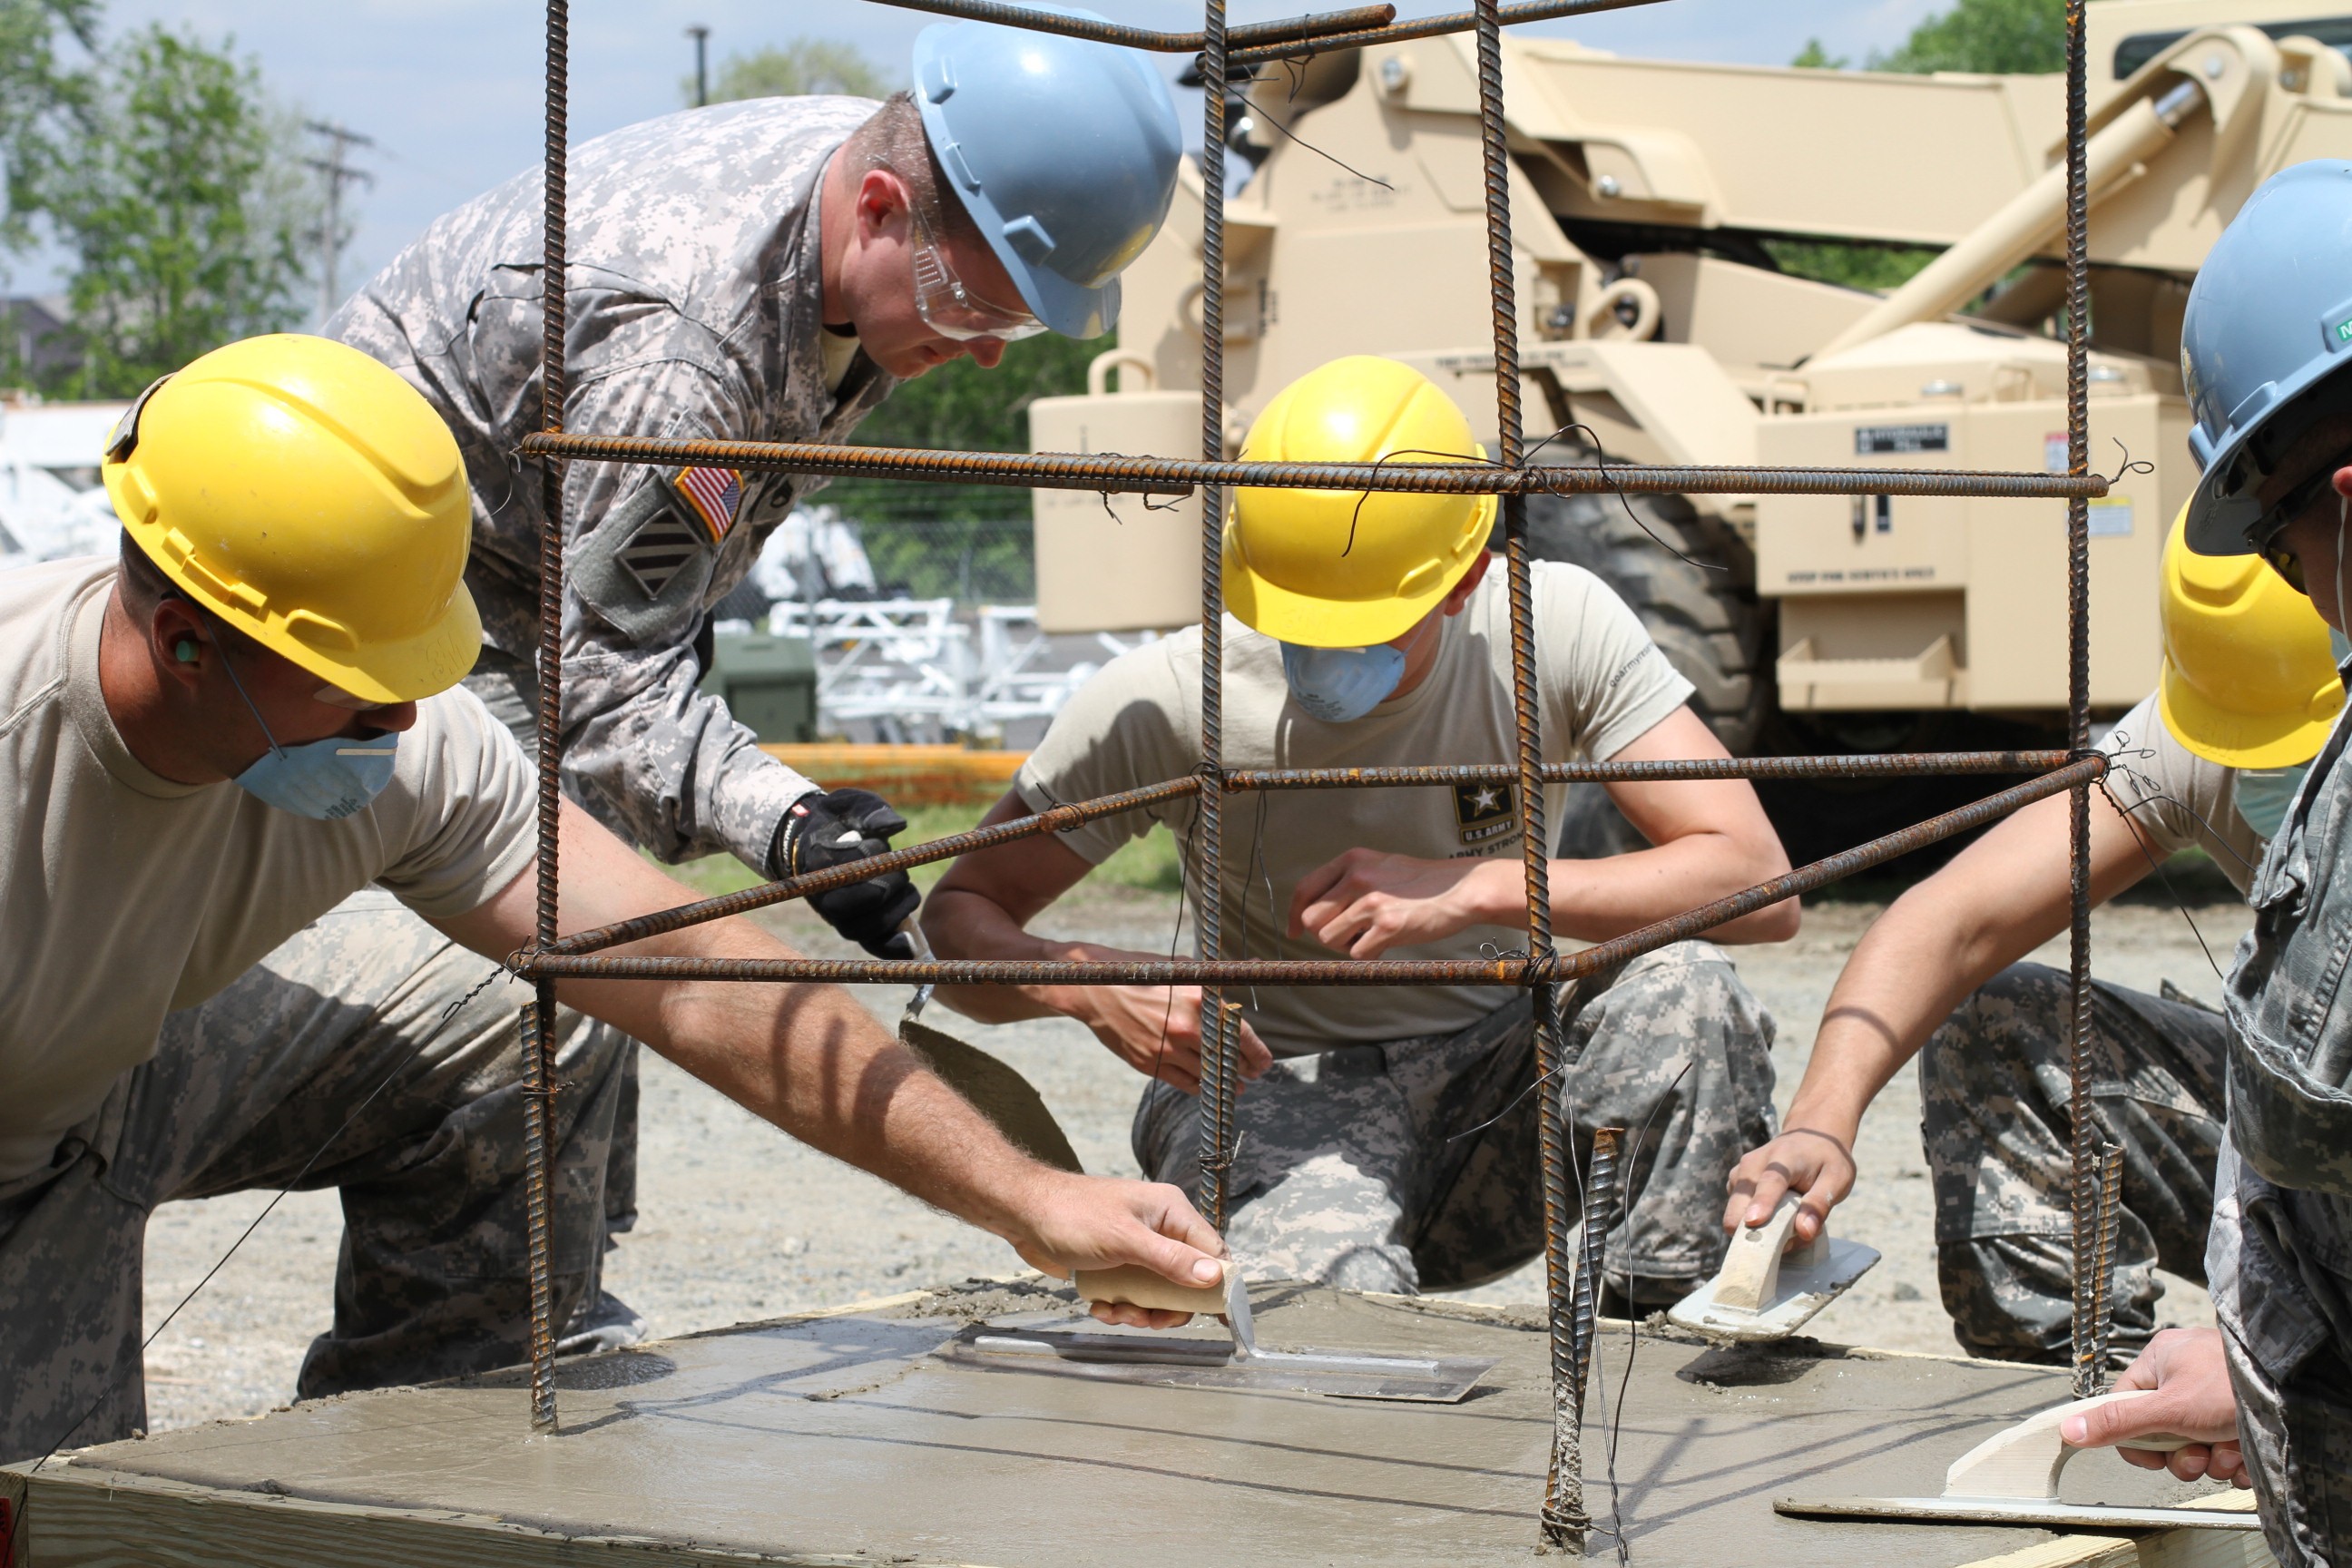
(177, 640)
(882, 204)
(1469, 583)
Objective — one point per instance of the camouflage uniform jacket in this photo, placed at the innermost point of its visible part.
(694, 309)
(2290, 1080)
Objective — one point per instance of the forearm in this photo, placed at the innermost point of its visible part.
(814, 1062)
(962, 924)
(1595, 901)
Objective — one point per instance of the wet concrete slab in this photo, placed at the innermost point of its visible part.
(847, 1439)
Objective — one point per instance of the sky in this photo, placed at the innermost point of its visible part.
(451, 90)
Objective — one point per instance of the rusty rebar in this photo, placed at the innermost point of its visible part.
(2103, 1297)
(1219, 1047)
(1315, 24)
(1498, 971)
(1307, 48)
(538, 1151)
(1892, 764)
(1052, 820)
(2083, 1147)
(1604, 1195)
(1113, 473)
(539, 1077)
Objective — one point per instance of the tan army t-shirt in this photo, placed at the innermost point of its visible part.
(124, 896)
(2177, 797)
(1604, 683)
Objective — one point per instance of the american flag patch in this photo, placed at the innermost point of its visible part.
(714, 494)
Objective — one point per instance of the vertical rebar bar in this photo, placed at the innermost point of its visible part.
(539, 1036)
(1563, 1520)
(1217, 1081)
(2086, 1136)
(2103, 1298)
(1603, 1206)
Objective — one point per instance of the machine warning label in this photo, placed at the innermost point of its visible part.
(1873, 440)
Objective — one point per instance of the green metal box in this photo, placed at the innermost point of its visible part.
(769, 684)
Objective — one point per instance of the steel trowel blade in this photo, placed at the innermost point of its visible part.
(2047, 1512)
(1172, 1360)
(1801, 1292)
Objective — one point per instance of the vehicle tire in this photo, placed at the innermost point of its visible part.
(1692, 580)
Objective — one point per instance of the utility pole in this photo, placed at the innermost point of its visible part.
(701, 36)
(338, 173)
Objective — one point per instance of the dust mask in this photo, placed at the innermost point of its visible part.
(1337, 684)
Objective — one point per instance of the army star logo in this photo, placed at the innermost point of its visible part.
(1484, 811)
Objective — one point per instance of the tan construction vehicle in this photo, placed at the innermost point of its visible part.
(1656, 327)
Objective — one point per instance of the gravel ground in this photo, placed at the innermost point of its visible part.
(739, 1222)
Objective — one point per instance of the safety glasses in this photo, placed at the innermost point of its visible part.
(2272, 546)
(947, 305)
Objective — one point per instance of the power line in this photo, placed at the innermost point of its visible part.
(338, 173)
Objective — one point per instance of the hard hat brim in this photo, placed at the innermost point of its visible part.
(405, 671)
(2219, 522)
(2236, 740)
(1290, 617)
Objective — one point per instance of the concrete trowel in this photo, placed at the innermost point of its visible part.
(1767, 1291)
(996, 1090)
(2011, 1477)
(1173, 1360)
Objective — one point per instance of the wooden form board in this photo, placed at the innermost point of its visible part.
(842, 1439)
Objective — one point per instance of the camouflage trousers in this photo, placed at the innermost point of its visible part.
(1412, 1164)
(509, 689)
(1994, 1119)
(330, 1063)
(2283, 1292)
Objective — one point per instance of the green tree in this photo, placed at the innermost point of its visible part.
(177, 195)
(801, 66)
(38, 94)
(2020, 37)
(2002, 37)
(968, 541)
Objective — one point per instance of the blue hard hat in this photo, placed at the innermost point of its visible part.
(1063, 151)
(2268, 324)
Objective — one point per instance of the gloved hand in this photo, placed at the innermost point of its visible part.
(830, 827)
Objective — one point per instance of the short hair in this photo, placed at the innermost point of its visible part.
(893, 137)
(144, 586)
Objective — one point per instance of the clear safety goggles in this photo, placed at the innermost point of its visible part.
(941, 299)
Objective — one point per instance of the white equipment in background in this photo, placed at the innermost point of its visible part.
(51, 503)
(917, 672)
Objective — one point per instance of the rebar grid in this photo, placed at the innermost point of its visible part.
(1223, 53)
(539, 1034)
(2086, 1137)
(1114, 474)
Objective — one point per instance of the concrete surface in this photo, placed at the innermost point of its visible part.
(843, 1438)
(739, 1223)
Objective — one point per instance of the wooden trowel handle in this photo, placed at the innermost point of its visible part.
(1138, 1285)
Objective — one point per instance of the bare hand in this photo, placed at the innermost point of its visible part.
(1101, 1222)
(1155, 1029)
(1368, 902)
(1802, 1160)
(2193, 1399)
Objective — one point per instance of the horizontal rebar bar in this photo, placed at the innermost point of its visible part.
(1498, 971)
(1057, 819)
(1111, 472)
(1052, 820)
(1270, 34)
(1259, 53)
(1871, 766)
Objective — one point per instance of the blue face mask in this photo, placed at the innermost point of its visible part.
(1337, 684)
(2263, 795)
(323, 780)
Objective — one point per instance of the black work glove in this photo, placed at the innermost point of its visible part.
(832, 827)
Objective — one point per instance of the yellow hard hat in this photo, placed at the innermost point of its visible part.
(2248, 678)
(1347, 568)
(313, 501)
